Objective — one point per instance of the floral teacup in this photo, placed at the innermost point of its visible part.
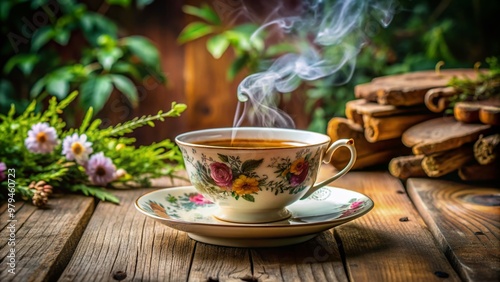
(253, 173)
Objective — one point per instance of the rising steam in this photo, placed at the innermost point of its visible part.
(329, 36)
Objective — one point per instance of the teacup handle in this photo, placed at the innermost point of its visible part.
(349, 144)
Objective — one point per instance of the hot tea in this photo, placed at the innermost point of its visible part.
(251, 143)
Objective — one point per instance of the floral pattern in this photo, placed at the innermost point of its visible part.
(230, 176)
(185, 203)
(292, 175)
(190, 206)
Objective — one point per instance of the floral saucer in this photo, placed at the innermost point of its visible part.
(184, 209)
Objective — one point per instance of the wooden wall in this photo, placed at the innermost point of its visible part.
(194, 77)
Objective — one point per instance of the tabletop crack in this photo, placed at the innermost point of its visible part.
(340, 247)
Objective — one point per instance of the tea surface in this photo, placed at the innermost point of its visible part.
(251, 143)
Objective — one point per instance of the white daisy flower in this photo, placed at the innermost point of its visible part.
(42, 138)
(77, 148)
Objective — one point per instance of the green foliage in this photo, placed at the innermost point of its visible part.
(140, 163)
(485, 86)
(250, 51)
(55, 47)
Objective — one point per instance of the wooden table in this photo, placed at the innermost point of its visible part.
(425, 230)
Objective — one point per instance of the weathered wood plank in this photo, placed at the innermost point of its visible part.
(315, 260)
(120, 242)
(441, 134)
(44, 239)
(214, 263)
(391, 242)
(457, 213)
(410, 88)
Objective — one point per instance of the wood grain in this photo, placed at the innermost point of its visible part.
(44, 238)
(456, 213)
(121, 241)
(315, 260)
(441, 134)
(390, 127)
(214, 263)
(368, 153)
(391, 242)
(409, 88)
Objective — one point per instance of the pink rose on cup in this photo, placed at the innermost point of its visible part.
(221, 174)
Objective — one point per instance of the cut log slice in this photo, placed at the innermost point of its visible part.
(410, 88)
(490, 115)
(441, 134)
(486, 111)
(487, 149)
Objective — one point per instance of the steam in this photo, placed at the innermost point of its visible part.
(329, 36)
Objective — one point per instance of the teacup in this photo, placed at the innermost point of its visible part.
(253, 173)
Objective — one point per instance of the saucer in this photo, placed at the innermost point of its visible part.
(184, 209)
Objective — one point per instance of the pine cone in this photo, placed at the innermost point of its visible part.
(40, 199)
(41, 186)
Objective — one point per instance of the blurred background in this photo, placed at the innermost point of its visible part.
(132, 58)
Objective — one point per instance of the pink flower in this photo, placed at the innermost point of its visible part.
(100, 169)
(297, 179)
(221, 174)
(199, 199)
(77, 148)
(3, 168)
(42, 138)
(356, 204)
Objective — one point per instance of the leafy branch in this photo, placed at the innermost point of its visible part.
(485, 86)
(38, 172)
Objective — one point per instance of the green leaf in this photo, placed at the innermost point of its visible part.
(62, 36)
(41, 37)
(223, 158)
(250, 165)
(144, 50)
(194, 31)
(217, 45)
(279, 49)
(126, 68)
(25, 62)
(86, 120)
(204, 12)
(123, 3)
(95, 92)
(94, 25)
(237, 65)
(36, 89)
(248, 197)
(127, 87)
(58, 87)
(98, 192)
(107, 57)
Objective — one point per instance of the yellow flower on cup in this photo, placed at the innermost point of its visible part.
(244, 185)
(298, 166)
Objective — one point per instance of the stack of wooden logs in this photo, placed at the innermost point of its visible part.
(399, 120)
